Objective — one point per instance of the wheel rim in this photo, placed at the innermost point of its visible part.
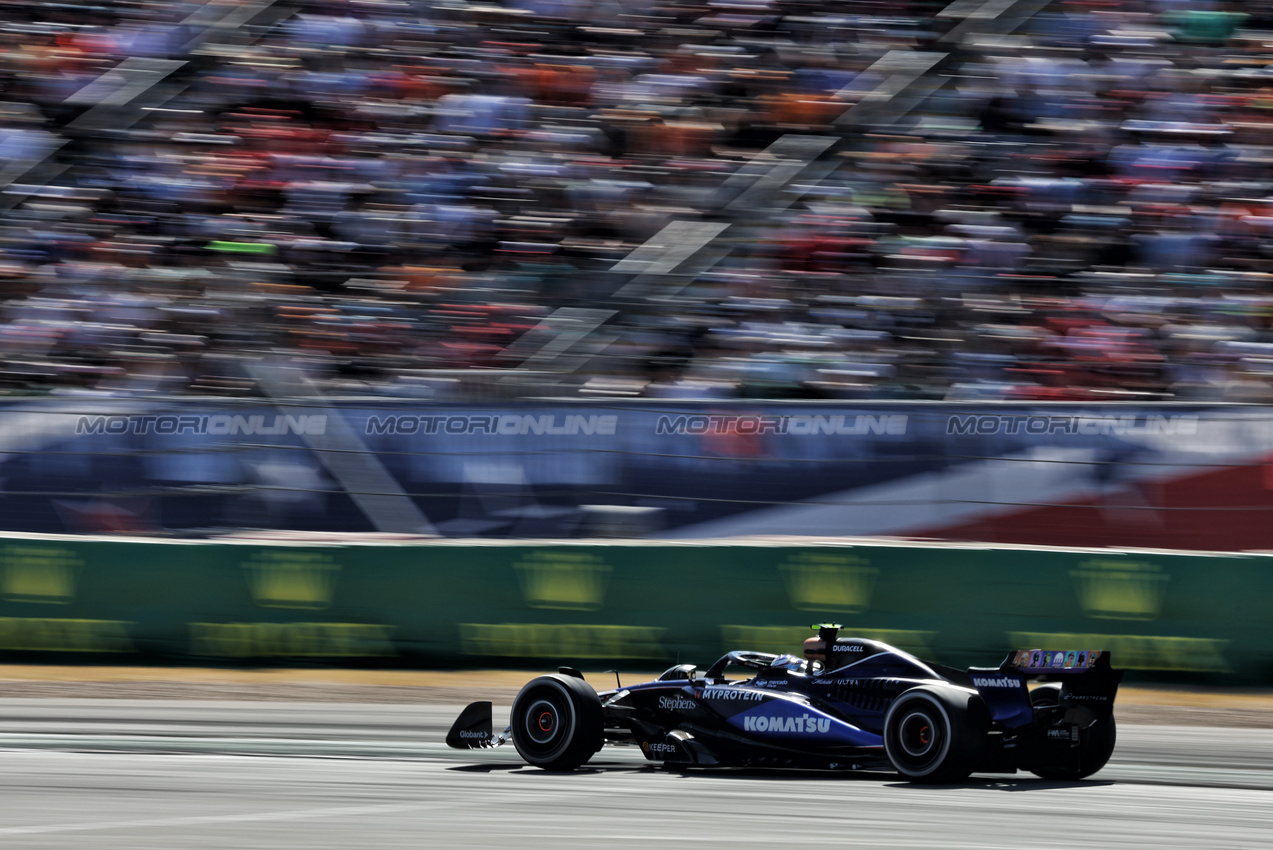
(919, 736)
(542, 722)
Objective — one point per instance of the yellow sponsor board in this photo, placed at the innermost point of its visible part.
(42, 574)
(829, 581)
(543, 640)
(287, 578)
(265, 640)
(1111, 589)
(563, 580)
(1137, 652)
(48, 634)
(791, 639)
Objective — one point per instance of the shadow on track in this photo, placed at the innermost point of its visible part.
(990, 783)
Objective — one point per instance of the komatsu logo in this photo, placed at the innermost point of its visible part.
(805, 723)
(677, 704)
(1000, 682)
(732, 693)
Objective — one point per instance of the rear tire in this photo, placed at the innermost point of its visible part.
(935, 734)
(557, 722)
(1096, 743)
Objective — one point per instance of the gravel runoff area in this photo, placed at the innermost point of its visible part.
(1138, 705)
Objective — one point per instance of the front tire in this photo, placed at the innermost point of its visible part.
(557, 722)
(1096, 742)
(935, 734)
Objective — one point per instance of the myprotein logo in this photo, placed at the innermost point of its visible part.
(507, 425)
(732, 694)
(221, 424)
(677, 704)
(804, 724)
(835, 425)
(1116, 426)
(995, 682)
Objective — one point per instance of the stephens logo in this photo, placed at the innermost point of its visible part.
(805, 723)
(677, 704)
(732, 693)
(999, 682)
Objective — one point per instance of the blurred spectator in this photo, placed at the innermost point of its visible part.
(385, 193)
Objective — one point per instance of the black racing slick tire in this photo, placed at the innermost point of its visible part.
(1096, 743)
(935, 734)
(557, 722)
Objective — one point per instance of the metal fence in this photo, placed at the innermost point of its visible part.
(1106, 475)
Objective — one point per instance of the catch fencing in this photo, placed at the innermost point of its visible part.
(1176, 476)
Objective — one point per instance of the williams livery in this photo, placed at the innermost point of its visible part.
(849, 704)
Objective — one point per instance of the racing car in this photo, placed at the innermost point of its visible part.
(849, 704)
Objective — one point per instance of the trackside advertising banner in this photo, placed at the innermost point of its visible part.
(636, 605)
(1172, 477)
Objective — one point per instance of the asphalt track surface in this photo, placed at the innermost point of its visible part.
(187, 774)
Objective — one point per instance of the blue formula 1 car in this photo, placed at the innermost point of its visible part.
(849, 704)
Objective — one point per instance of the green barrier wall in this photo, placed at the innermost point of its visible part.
(635, 605)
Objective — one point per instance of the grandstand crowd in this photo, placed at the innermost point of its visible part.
(386, 194)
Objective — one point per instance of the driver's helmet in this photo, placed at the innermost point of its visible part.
(788, 662)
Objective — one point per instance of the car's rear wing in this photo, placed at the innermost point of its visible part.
(1056, 662)
(1087, 679)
